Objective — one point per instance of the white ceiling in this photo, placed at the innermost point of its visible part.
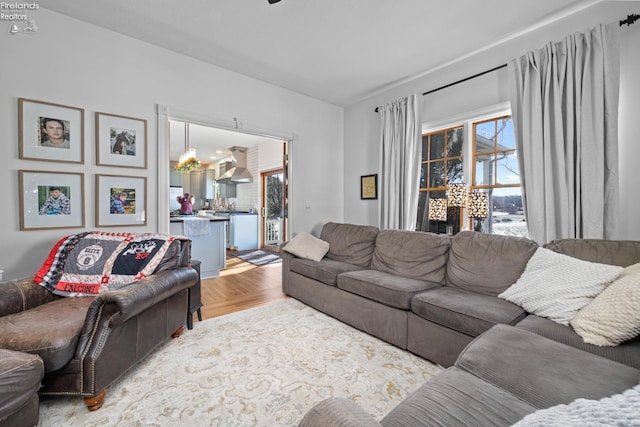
(338, 51)
(211, 144)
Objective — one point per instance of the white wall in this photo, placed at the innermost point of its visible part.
(77, 64)
(362, 123)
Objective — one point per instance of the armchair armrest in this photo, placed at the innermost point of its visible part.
(338, 411)
(22, 294)
(137, 297)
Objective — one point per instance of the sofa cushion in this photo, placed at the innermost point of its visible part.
(551, 373)
(457, 398)
(385, 288)
(350, 243)
(627, 353)
(305, 245)
(325, 271)
(557, 286)
(22, 294)
(465, 311)
(414, 254)
(51, 330)
(615, 252)
(487, 263)
(613, 316)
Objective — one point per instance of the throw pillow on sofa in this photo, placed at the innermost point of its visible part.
(613, 316)
(305, 245)
(557, 286)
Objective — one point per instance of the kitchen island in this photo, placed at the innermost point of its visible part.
(208, 240)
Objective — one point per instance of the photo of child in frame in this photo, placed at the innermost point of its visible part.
(122, 201)
(54, 200)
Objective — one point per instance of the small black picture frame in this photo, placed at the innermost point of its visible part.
(369, 187)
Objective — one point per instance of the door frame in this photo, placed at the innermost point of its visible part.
(263, 208)
(164, 113)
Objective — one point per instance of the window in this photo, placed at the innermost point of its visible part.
(496, 171)
(490, 165)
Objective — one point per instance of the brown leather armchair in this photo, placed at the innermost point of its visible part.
(87, 343)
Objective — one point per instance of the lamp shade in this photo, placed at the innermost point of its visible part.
(458, 194)
(437, 209)
(478, 205)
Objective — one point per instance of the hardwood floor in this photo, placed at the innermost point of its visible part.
(240, 286)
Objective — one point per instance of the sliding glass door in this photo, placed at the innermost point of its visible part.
(272, 211)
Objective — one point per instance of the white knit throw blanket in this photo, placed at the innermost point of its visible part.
(618, 410)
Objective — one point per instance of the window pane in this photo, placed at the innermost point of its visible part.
(508, 171)
(506, 136)
(454, 170)
(437, 146)
(425, 147)
(423, 223)
(436, 174)
(454, 142)
(484, 170)
(423, 176)
(507, 214)
(485, 134)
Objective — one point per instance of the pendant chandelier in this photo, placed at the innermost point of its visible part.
(187, 160)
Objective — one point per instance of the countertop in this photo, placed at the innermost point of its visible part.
(182, 218)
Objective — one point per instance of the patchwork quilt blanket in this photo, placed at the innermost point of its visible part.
(94, 262)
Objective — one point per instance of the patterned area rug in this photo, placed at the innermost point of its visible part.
(258, 257)
(265, 366)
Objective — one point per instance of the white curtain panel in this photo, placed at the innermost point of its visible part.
(564, 101)
(401, 143)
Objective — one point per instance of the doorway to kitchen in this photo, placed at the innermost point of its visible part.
(272, 223)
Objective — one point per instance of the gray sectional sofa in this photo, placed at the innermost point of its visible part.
(434, 296)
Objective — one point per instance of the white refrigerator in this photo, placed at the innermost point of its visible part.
(174, 192)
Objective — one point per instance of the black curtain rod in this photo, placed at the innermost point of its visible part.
(459, 81)
(631, 19)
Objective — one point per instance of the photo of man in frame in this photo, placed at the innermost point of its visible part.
(54, 132)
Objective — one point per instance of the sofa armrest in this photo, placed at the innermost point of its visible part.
(22, 294)
(540, 371)
(137, 297)
(338, 412)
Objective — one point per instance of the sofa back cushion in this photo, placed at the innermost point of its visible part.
(413, 254)
(350, 243)
(615, 252)
(487, 263)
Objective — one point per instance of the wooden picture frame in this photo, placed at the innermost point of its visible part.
(50, 132)
(369, 187)
(50, 200)
(121, 141)
(121, 200)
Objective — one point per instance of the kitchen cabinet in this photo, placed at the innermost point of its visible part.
(201, 183)
(209, 249)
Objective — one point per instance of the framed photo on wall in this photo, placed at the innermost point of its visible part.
(51, 132)
(369, 187)
(120, 200)
(121, 141)
(51, 199)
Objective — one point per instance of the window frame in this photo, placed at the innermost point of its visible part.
(467, 121)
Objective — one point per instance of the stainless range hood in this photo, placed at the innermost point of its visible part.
(239, 172)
